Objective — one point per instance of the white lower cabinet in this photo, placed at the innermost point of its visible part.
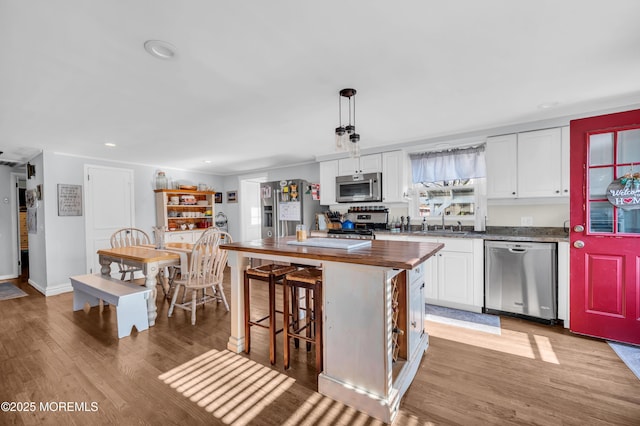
(454, 277)
(416, 308)
(182, 237)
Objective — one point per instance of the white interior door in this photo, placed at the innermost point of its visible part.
(109, 207)
(251, 223)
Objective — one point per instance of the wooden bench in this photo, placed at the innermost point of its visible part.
(129, 299)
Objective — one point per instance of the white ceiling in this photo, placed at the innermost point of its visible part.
(255, 83)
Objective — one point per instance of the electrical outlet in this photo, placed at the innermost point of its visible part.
(526, 221)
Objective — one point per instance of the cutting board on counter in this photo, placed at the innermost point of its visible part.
(336, 243)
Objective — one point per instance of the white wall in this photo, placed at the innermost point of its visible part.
(7, 258)
(543, 215)
(52, 260)
(37, 247)
(309, 172)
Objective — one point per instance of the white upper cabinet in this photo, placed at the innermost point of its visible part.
(328, 173)
(364, 164)
(540, 163)
(395, 176)
(564, 155)
(528, 165)
(501, 157)
(393, 165)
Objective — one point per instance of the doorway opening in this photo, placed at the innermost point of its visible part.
(19, 228)
(250, 217)
(23, 231)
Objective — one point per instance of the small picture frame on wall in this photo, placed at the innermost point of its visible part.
(218, 198)
(232, 196)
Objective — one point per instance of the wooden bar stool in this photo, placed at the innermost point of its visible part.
(308, 329)
(270, 274)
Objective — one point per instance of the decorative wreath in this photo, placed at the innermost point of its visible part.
(629, 178)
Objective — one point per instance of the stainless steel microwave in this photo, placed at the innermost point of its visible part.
(359, 188)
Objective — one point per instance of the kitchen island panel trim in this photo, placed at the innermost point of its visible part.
(377, 390)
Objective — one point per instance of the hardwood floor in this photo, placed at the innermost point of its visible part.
(530, 374)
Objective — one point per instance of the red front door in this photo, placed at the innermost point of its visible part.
(605, 227)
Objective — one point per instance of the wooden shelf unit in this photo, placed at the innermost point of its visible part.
(172, 216)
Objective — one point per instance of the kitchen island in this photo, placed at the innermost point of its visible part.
(373, 318)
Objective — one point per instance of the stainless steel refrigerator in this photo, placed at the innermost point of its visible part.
(285, 204)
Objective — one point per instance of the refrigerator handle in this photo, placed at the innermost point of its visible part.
(281, 228)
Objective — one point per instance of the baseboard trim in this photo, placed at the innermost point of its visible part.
(53, 290)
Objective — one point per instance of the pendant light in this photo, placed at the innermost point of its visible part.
(346, 137)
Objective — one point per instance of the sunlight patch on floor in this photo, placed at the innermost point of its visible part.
(509, 341)
(545, 349)
(232, 388)
(236, 390)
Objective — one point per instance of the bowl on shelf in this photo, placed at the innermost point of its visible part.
(187, 200)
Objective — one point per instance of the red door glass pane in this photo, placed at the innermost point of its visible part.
(611, 156)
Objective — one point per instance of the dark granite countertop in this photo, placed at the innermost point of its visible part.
(502, 233)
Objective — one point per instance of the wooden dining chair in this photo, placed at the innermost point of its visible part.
(127, 237)
(203, 270)
(172, 272)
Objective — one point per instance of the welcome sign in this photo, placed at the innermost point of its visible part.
(624, 195)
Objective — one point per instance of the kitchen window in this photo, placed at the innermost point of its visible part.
(451, 184)
(456, 198)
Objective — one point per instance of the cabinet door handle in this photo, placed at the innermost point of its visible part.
(413, 324)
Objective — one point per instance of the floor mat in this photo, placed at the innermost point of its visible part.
(10, 291)
(457, 317)
(629, 354)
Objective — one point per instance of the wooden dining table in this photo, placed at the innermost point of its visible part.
(149, 259)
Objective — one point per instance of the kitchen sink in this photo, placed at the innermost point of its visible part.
(440, 233)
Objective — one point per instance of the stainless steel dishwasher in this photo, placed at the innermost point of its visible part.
(521, 278)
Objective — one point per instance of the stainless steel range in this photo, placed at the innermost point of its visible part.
(369, 217)
(365, 219)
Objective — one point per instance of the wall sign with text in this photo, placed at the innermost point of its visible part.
(69, 200)
(624, 195)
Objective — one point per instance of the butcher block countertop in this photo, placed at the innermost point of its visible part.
(391, 254)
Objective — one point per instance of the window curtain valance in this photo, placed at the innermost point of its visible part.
(459, 163)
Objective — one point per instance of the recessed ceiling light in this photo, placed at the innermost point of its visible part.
(206, 161)
(160, 49)
(110, 144)
(547, 105)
